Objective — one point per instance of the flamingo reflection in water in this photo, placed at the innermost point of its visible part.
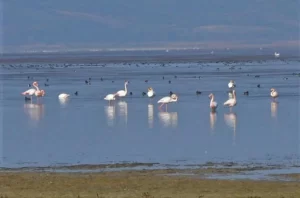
(213, 120)
(110, 114)
(274, 105)
(63, 101)
(150, 115)
(123, 111)
(34, 111)
(231, 121)
(168, 119)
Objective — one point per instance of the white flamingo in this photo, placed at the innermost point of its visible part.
(123, 93)
(231, 84)
(150, 92)
(232, 101)
(213, 104)
(63, 96)
(110, 97)
(274, 94)
(31, 92)
(167, 99)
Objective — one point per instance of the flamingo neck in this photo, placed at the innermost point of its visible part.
(212, 100)
(37, 88)
(125, 88)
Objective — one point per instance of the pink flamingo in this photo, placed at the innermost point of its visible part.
(167, 99)
(213, 104)
(31, 92)
(39, 93)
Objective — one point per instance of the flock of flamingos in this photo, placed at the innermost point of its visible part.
(231, 102)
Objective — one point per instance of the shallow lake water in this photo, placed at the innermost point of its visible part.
(87, 130)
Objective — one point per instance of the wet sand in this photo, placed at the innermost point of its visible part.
(145, 183)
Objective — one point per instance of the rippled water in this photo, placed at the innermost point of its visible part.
(86, 130)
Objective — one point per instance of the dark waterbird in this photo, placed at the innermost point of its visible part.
(246, 93)
(198, 92)
(76, 93)
(258, 85)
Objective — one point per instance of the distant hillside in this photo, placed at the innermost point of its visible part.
(60, 23)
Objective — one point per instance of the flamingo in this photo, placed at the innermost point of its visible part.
(110, 97)
(31, 91)
(63, 96)
(40, 93)
(231, 84)
(274, 94)
(213, 104)
(150, 92)
(123, 93)
(168, 99)
(232, 101)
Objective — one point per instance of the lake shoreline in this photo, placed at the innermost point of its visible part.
(166, 58)
(143, 183)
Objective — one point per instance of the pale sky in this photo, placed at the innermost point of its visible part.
(119, 23)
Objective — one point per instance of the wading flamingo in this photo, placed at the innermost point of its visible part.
(63, 96)
(150, 92)
(110, 97)
(213, 104)
(31, 92)
(168, 99)
(232, 101)
(231, 84)
(274, 94)
(123, 93)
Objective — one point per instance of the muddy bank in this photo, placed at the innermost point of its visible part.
(135, 166)
(154, 183)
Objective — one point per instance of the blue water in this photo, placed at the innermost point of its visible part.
(86, 130)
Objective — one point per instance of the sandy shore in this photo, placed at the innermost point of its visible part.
(141, 184)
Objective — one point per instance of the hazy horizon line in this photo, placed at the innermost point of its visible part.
(221, 45)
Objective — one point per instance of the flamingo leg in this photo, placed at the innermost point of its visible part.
(161, 105)
(166, 107)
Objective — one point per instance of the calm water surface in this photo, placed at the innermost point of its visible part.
(86, 130)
